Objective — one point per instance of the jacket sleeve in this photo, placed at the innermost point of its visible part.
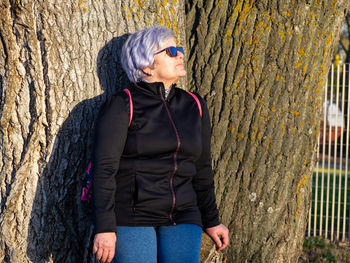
(203, 182)
(109, 140)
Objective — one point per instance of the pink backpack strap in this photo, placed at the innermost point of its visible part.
(198, 103)
(131, 106)
(89, 166)
(86, 195)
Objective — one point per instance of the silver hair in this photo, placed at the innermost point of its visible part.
(138, 50)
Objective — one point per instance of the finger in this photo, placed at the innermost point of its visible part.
(217, 240)
(109, 250)
(94, 249)
(99, 254)
(104, 256)
(110, 256)
(225, 241)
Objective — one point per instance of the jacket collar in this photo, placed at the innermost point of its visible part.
(155, 89)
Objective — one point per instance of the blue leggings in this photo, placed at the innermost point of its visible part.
(164, 244)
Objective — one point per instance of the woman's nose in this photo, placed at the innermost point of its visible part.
(180, 54)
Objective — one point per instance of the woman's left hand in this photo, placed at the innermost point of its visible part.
(220, 236)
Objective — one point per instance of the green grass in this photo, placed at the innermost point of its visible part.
(317, 249)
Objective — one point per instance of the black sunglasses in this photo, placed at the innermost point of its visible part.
(171, 51)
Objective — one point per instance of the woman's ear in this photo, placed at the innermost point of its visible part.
(148, 71)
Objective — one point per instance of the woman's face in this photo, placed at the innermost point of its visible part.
(167, 69)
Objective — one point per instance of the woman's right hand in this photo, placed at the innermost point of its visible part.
(104, 246)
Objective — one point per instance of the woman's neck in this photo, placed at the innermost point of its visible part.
(167, 85)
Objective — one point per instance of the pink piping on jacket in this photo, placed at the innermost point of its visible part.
(130, 105)
(198, 103)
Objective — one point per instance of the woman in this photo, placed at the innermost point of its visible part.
(153, 188)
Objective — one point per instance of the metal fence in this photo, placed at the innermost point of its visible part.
(329, 214)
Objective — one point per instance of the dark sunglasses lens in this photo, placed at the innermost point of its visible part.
(181, 49)
(172, 51)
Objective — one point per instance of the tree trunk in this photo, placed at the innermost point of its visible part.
(59, 61)
(262, 66)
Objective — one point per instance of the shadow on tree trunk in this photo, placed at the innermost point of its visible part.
(60, 228)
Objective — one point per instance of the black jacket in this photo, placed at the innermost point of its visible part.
(158, 171)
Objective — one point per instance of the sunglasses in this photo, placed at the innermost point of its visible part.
(171, 51)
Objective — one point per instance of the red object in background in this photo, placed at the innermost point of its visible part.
(331, 130)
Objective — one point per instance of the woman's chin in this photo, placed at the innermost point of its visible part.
(182, 73)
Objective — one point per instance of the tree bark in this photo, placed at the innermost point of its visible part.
(59, 62)
(262, 66)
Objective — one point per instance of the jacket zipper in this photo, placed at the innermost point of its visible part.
(175, 159)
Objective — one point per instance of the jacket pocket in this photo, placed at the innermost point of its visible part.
(186, 197)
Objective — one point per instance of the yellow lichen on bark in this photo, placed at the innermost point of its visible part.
(300, 193)
(166, 16)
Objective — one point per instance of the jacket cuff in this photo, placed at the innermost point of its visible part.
(211, 221)
(105, 223)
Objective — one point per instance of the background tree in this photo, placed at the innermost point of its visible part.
(261, 66)
(343, 48)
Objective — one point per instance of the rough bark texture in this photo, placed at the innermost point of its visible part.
(59, 60)
(261, 66)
